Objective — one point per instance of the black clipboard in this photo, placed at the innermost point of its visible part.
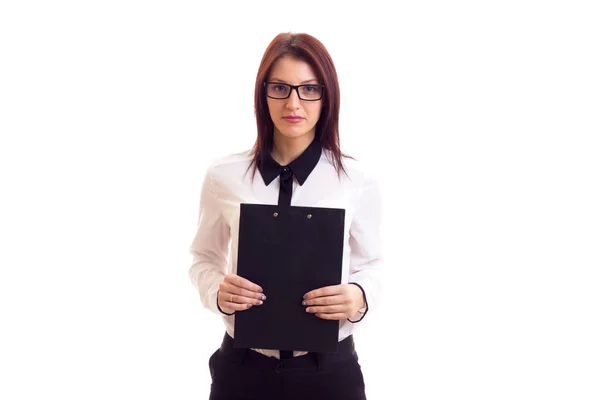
(288, 251)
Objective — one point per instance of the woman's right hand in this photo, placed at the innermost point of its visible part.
(238, 294)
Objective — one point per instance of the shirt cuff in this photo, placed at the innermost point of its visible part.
(219, 307)
(365, 308)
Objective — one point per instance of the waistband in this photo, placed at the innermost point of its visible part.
(346, 352)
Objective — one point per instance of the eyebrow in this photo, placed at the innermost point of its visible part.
(303, 82)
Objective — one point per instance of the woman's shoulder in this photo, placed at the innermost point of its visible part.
(229, 160)
(230, 165)
(223, 160)
(358, 169)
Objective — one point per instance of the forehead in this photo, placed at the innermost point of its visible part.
(292, 70)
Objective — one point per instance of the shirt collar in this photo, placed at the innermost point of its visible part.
(301, 166)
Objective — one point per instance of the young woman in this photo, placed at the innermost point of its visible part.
(295, 161)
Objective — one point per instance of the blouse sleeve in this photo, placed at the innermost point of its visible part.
(210, 246)
(366, 258)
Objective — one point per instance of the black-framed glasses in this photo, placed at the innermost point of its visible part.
(280, 91)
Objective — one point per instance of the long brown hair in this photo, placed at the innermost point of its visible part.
(309, 49)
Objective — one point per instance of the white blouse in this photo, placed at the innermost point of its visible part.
(228, 182)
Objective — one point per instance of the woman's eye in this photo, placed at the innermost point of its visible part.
(309, 88)
(279, 88)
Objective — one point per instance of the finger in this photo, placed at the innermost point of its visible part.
(229, 288)
(324, 291)
(326, 301)
(244, 283)
(238, 299)
(327, 309)
(336, 316)
(244, 300)
(227, 305)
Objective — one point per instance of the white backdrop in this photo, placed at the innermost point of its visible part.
(482, 118)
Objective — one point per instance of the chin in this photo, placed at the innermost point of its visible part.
(292, 133)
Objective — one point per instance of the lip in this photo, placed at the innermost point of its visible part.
(293, 119)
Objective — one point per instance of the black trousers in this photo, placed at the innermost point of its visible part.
(243, 374)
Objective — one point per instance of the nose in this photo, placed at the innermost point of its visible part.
(293, 102)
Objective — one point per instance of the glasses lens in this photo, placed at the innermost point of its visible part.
(278, 90)
(310, 92)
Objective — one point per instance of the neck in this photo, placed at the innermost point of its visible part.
(285, 150)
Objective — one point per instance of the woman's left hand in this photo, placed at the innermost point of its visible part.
(334, 302)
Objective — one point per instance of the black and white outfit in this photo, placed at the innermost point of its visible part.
(312, 181)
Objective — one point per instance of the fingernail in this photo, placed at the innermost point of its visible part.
(304, 303)
(248, 305)
(260, 302)
(260, 289)
(263, 297)
(308, 310)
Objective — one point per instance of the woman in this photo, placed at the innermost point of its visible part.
(299, 163)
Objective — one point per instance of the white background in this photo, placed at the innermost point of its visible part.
(482, 118)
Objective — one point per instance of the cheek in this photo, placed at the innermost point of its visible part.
(315, 112)
(272, 109)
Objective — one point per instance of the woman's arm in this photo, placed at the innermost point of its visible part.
(210, 247)
(366, 258)
(353, 300)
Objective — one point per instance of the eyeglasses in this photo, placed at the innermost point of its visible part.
(276, 90)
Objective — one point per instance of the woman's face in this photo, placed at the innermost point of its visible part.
(294, 72)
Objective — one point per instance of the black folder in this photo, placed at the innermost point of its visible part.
(288, 251)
